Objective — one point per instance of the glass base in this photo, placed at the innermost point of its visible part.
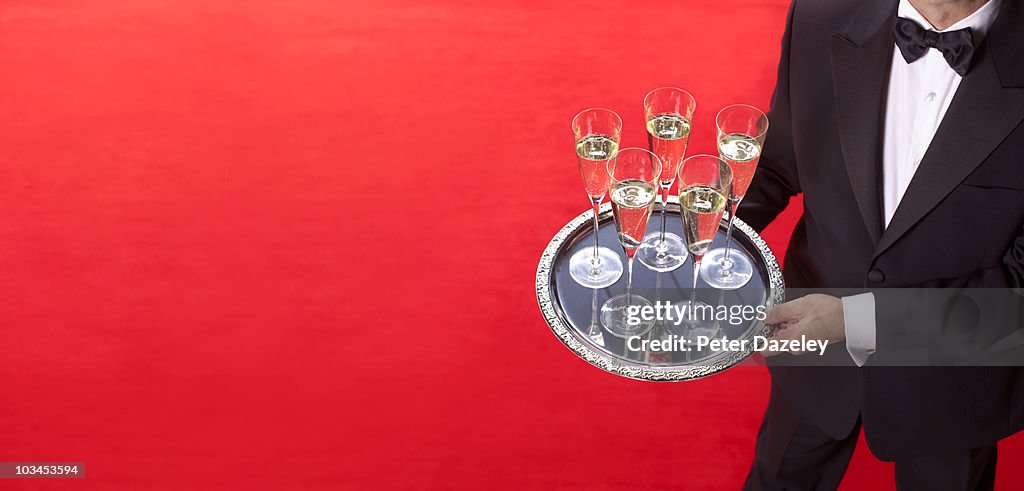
(715, 272)
(602, 274)
(662, 256)
(615, 318)
(703, 323)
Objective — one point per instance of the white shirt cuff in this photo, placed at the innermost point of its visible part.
(859, 316)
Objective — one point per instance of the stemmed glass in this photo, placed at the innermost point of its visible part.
(634, 174)
(741, 133)
(705, 182)
(669, 111)
(596, 133)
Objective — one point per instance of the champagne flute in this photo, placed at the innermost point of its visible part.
(634, 174)
(596, 133)
(741, 133)
(669, 111)
(705, 182)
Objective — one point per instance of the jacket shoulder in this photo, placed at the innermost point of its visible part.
(835, 13)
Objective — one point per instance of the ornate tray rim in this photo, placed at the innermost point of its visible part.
(631, 369)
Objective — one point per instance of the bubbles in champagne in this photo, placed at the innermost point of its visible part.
(737, 147)
(668, 126)
(741, 152)
(632, 201)
(633, 193)
(596, 147)
(702, 208)
(700, 200)
(667, 136)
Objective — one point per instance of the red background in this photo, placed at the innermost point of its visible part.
(282, 244)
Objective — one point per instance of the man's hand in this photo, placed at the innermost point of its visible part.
(816, 316)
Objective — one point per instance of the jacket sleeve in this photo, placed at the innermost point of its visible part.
(775, 180)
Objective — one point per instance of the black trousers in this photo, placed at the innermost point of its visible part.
(795, 455)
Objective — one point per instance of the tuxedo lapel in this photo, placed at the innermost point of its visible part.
(861, 58)
(983, 112)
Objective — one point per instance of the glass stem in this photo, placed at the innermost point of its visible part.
(664, 206)
(726, 263)
(595, 263)
(657, 288)
(629, 281)
(696, 274)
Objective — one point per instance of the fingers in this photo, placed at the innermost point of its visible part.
(789, 331)
(812, 317)
(792, 332)
(789, 311)
(778, 331)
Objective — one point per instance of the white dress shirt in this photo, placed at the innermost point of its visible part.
(919, 94)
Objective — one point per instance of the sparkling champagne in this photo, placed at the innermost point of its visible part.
(702, 208)
(593, 152)
(632, 201)
(741, 152)
(667, 135)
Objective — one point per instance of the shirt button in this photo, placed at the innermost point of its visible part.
(876, 276)
(931, 97)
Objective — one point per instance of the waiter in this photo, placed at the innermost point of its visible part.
(900, 121)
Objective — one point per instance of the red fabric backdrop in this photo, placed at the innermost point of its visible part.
(279, 245)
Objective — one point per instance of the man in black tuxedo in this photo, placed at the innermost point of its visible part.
(900, 121)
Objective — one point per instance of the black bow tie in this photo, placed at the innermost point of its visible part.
(914, 41)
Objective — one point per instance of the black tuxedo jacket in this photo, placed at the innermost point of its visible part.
(959, 224)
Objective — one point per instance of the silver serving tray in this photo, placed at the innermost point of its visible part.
(569, 308)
